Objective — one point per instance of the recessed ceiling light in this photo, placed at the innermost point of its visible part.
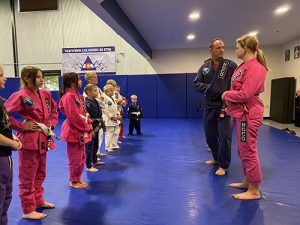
(190, 37)
(253, 33)
(194, 16)
(282, 10)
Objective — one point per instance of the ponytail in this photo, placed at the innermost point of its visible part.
(261, 58)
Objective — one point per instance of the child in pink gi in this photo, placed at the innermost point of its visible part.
(76, 129)
(39, 112)
(245, 106)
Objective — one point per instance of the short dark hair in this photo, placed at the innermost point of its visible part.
(211, 44)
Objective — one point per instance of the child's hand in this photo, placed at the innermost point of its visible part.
(30, 126)
(101, 98)
(16, 144)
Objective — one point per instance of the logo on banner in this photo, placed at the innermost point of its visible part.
(88, 64)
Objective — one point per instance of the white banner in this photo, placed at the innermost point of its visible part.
(82, 60)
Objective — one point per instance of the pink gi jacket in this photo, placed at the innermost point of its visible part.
(247, 83)
(41, 109)
(75, 126)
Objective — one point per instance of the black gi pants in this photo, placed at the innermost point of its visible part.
(135, 123)
(218, 134)
(91, 149)
(6, 177)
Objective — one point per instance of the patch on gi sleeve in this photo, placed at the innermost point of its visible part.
(243, 131)
(77, 101)
(28, 102)
(88, 105)
(109, 103)
(205, 70)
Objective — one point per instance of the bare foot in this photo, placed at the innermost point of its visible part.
(109, 150)
(77, 184)
(119, 142)
(46, 205)
(211, 162)
(239, 185)
(220, 171)
(34, 215)
(92, 169)
(248, 195)
(85, 184)
(102, 154)
(99, 163)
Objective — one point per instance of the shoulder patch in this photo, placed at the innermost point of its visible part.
(77, 101)
(28, 102)
(205, 70)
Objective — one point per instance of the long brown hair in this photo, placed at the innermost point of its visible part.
(67, 80)
(29, 72)
(251, 42)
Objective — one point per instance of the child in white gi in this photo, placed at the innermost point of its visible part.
(112, 119)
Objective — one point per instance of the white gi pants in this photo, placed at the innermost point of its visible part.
(111, 136)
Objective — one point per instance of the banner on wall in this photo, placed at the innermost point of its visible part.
(82, 60)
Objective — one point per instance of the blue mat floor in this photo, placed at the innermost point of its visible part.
(160, 178)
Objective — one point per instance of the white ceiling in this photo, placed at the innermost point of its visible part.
(164, 24)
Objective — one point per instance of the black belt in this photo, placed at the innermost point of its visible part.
(213, 99)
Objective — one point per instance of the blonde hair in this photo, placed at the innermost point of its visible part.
(108, 87)
(251, 43)
(88, 75)
(133, 96)
(89, 88)
(111, 82)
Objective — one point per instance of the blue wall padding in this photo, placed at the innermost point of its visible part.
(12, 85)
(168, 95)
(144, 86)
(171, 95)
(194, 98)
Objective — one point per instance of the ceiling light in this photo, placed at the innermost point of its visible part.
(190, 37)
(253, 33)
(194, 16)
(282, 10)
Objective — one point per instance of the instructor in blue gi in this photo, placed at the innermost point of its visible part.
(213, 78)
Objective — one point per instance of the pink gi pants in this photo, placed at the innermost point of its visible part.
(247, 148)
(32, 173)
(76, 158)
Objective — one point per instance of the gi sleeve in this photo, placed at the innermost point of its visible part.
(14, 104)
(73, 115)
(199, 84)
